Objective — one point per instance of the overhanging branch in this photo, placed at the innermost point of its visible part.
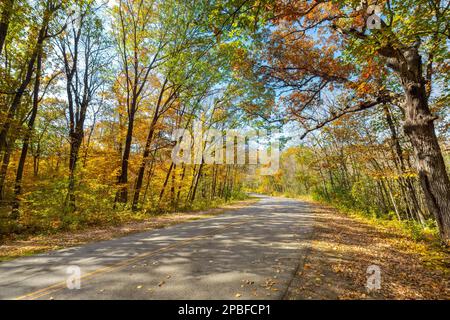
(360, 107)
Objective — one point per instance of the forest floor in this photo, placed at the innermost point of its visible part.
(14, 248)
(342, 249)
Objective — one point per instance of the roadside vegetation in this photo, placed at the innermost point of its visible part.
(356, 177)
(91, 95)
(125, 223)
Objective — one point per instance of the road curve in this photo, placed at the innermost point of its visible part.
(250, 253)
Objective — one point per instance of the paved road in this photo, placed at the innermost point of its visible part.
(250, 253)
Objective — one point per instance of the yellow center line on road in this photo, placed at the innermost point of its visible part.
(117, 266)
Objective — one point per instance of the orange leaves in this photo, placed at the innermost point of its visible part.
(371, 69)
(364, 88)
(359, 21)
(315, 10)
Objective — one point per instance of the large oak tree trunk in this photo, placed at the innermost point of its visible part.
(419, 127)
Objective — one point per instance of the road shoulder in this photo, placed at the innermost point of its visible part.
(344, 247)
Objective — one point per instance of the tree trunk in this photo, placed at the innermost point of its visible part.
(122, 193)
(36, 164)
(4, 21)
(166, 180)
(197, 179)
(399, 161)
(149, 176)
(140, 176)
(381, 198)
(76, 139)
(179, 185)
(26, 140)
(4, 170)
(391, 196)
(172, 187)
(214, 182)
(419, 127)
(151, 131)
(24, 84)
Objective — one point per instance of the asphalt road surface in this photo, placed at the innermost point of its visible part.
(250, 253)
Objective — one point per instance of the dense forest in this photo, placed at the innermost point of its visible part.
(92, 92)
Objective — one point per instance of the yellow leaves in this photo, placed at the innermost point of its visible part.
(364, 88)
(392, 175)
(56, 224)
